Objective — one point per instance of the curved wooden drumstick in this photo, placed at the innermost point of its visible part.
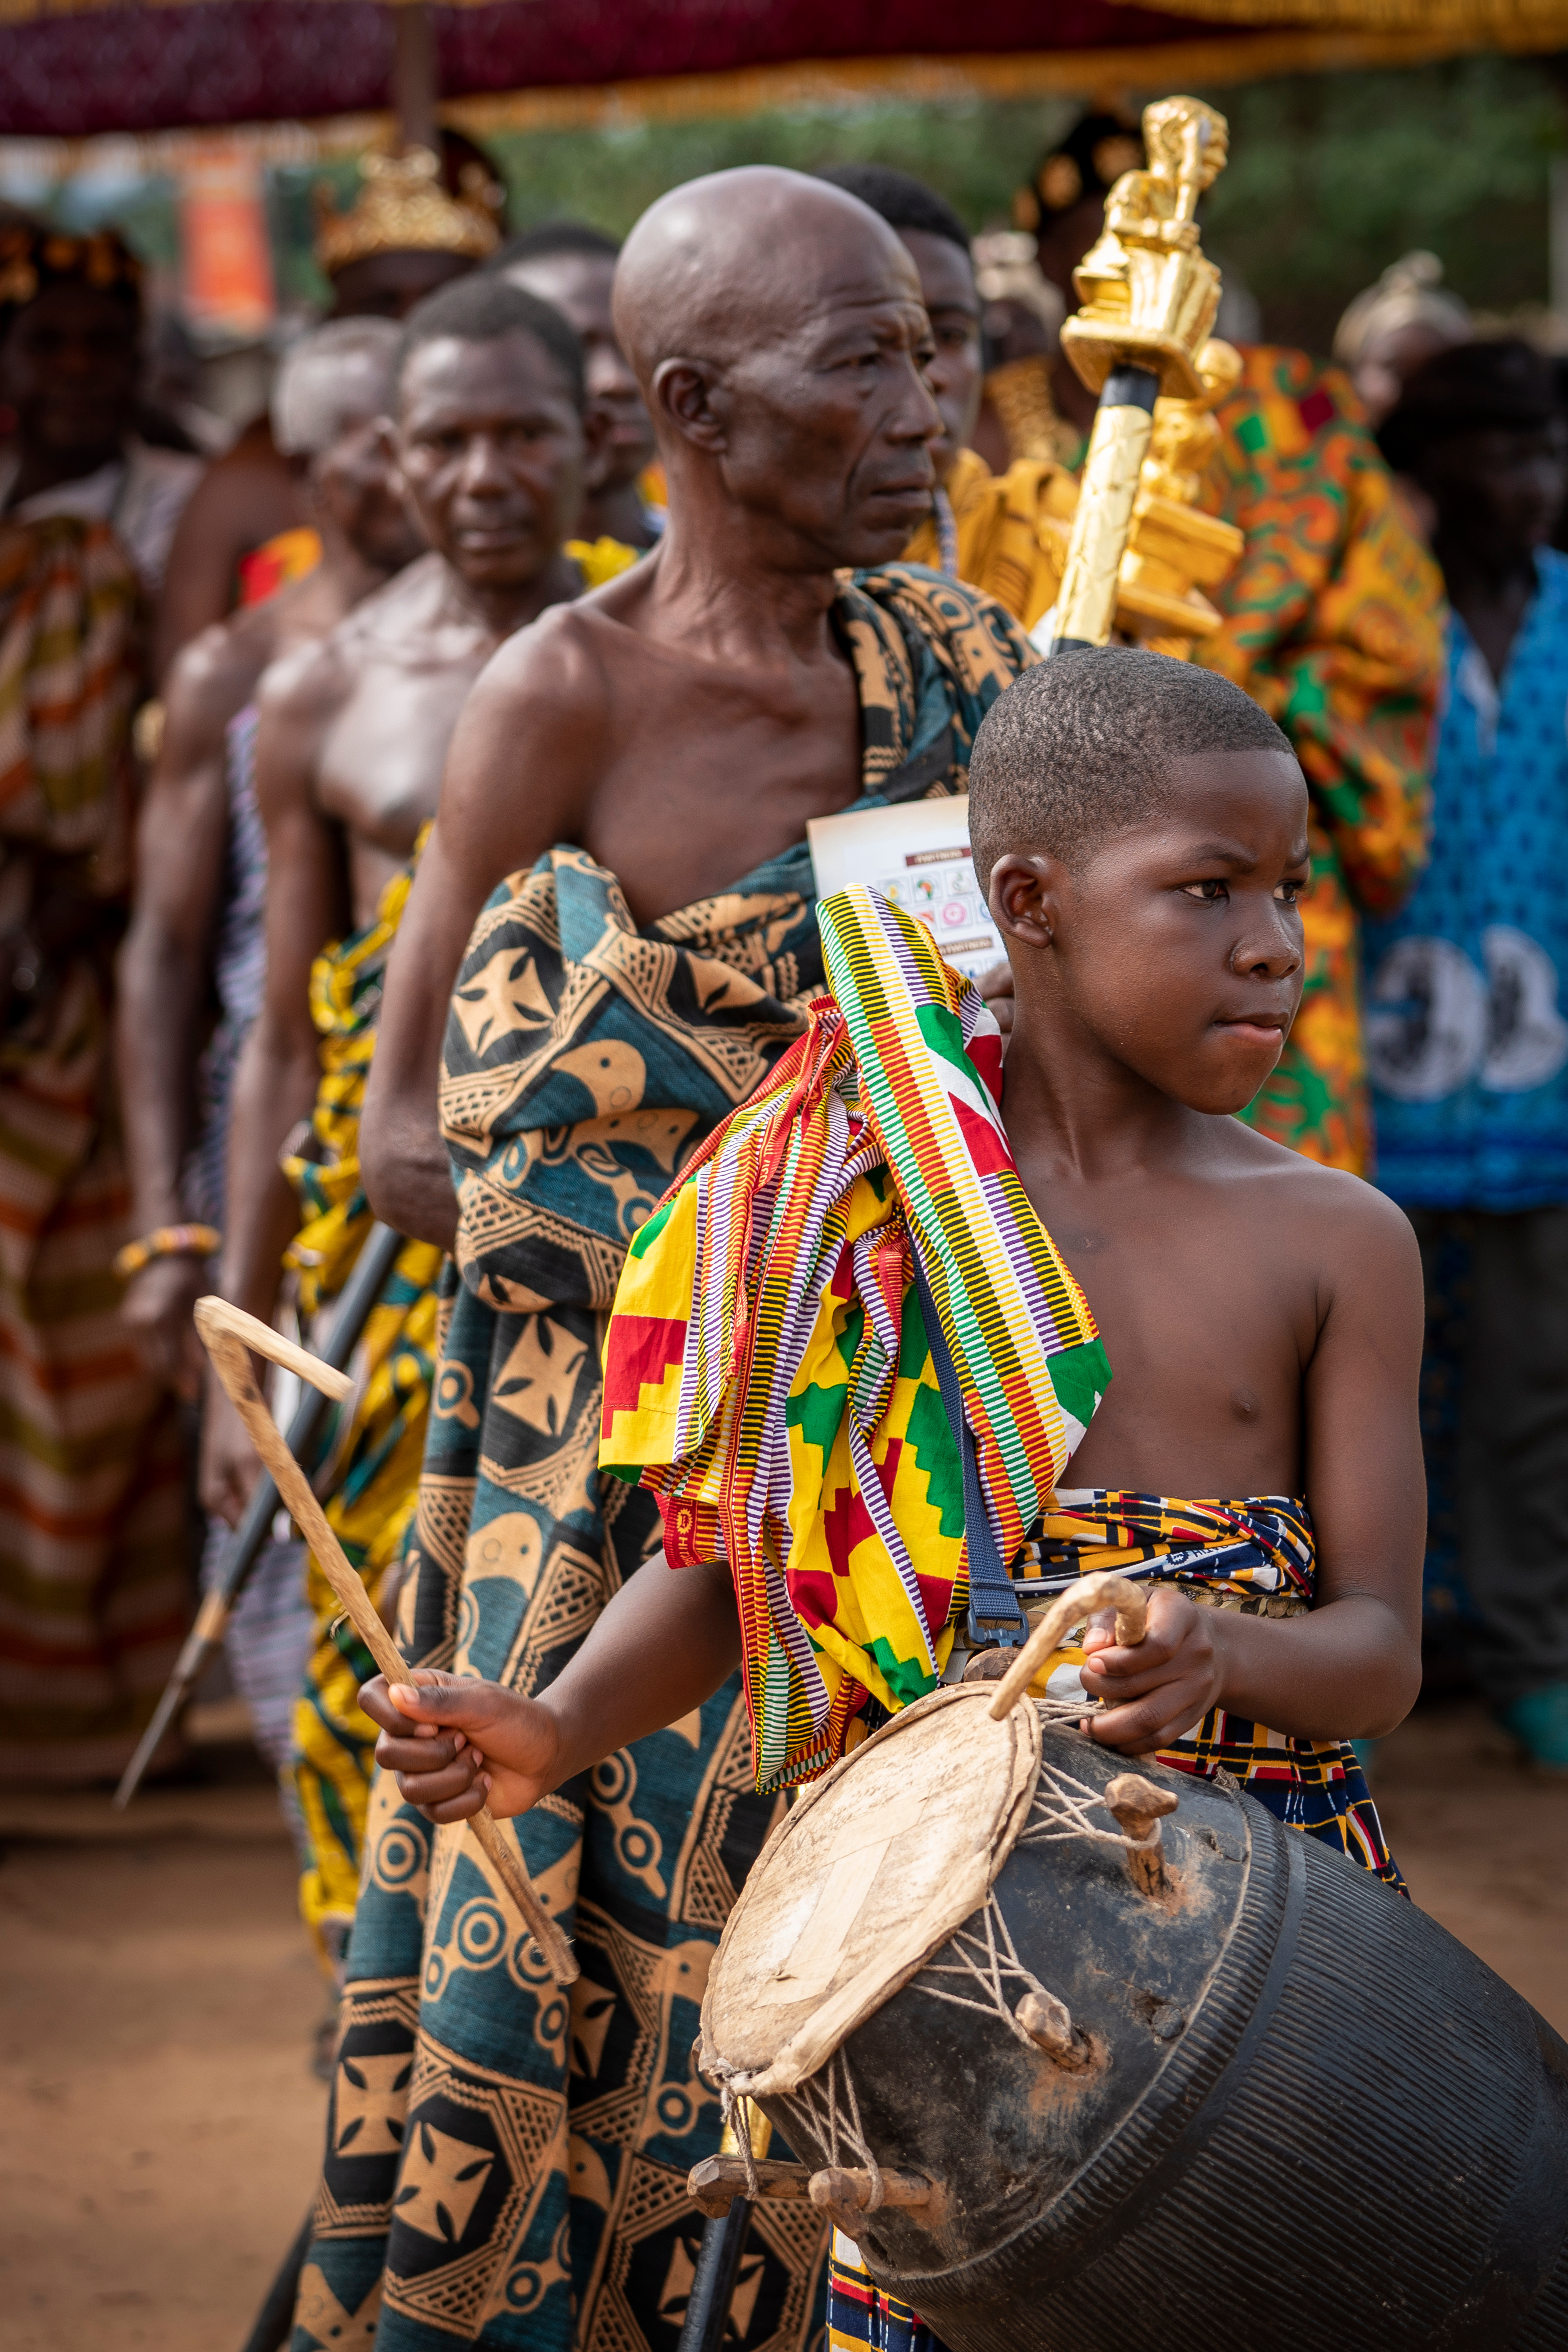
(1069, 1609)
(228, 1334)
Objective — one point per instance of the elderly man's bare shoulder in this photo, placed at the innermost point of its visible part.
(564, 687)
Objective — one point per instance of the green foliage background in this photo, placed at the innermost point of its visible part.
(1331, 176)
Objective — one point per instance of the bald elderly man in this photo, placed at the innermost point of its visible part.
(628, 789)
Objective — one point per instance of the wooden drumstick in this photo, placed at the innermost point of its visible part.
(1069, 1609)
(228, 1334)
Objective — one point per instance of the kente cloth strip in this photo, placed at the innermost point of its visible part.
(94, 1579)
(372, 1476)
(769, 1374)
(862, 2317)
(505, 2166)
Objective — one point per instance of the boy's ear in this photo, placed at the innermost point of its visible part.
(1023, 896)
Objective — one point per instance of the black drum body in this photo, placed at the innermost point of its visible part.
(1312, 2122)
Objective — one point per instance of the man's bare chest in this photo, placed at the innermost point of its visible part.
(701, 793)
(1209, 1321)
(383, 754)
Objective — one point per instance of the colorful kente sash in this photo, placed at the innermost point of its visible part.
(770, 1370)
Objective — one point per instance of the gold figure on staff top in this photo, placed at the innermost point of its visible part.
(1149, 295)
(1139, 546)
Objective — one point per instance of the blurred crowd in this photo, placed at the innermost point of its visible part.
(228, 690)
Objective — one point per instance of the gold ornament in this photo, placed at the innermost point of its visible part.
(1149, 295)
(402, 207)
(1148, 300)
(1173, 549)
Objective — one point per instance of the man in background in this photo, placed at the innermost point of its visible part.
(196, 930)
(490, 445)
(571, 265)
(92, 1583)
(71, 371)
(1467, 1034)
(418, 221)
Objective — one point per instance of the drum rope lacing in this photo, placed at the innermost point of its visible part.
(1059, 1808)
(813, 2109)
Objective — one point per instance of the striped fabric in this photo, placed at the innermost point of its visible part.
(769, 1374)
(93, 1573)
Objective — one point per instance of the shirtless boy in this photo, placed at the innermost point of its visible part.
(1144, 826)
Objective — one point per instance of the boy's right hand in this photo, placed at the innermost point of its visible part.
(454, 1742)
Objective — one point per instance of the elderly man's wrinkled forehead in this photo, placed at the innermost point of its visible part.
(749, 257)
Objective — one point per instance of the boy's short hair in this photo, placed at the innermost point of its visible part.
(1080, 748)
(481, 309)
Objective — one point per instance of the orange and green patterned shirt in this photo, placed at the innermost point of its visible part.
(1334, 623)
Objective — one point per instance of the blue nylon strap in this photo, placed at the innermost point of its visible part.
(994, 1615)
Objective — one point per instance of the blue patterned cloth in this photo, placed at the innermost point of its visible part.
(1466, 1038)
(505, 2167)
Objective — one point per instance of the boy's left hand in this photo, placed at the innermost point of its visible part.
(1159, 1691)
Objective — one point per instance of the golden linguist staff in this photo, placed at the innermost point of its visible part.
(1138, 548)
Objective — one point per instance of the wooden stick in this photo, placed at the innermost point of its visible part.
(1069, 1609)
(845, 2192)
(228, 1334)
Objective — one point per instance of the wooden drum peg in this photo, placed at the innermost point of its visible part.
(845, 2192)
(718, 2178)
(1048, 2024)
(1137, 1807)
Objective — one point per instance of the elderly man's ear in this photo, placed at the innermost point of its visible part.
(692, 393)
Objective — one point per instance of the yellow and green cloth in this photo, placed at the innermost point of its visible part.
(374, 1465)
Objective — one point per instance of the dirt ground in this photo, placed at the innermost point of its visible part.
(162, 2124)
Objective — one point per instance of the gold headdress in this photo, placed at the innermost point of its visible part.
(33, 256)
(402, 207)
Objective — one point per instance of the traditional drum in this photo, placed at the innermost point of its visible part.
(1072, 2075)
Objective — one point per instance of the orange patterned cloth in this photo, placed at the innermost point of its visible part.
(1334, 623)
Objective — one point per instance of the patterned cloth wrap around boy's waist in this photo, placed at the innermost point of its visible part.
(1259, 1557)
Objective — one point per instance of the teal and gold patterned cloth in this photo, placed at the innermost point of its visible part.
(506, 2165)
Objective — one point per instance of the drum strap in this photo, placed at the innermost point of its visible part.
(994, 1615)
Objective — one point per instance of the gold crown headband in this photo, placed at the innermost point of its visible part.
(402, 207)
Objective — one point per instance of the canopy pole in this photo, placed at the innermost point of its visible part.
(414, 88)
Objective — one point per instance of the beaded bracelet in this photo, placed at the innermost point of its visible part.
(167, 1240)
